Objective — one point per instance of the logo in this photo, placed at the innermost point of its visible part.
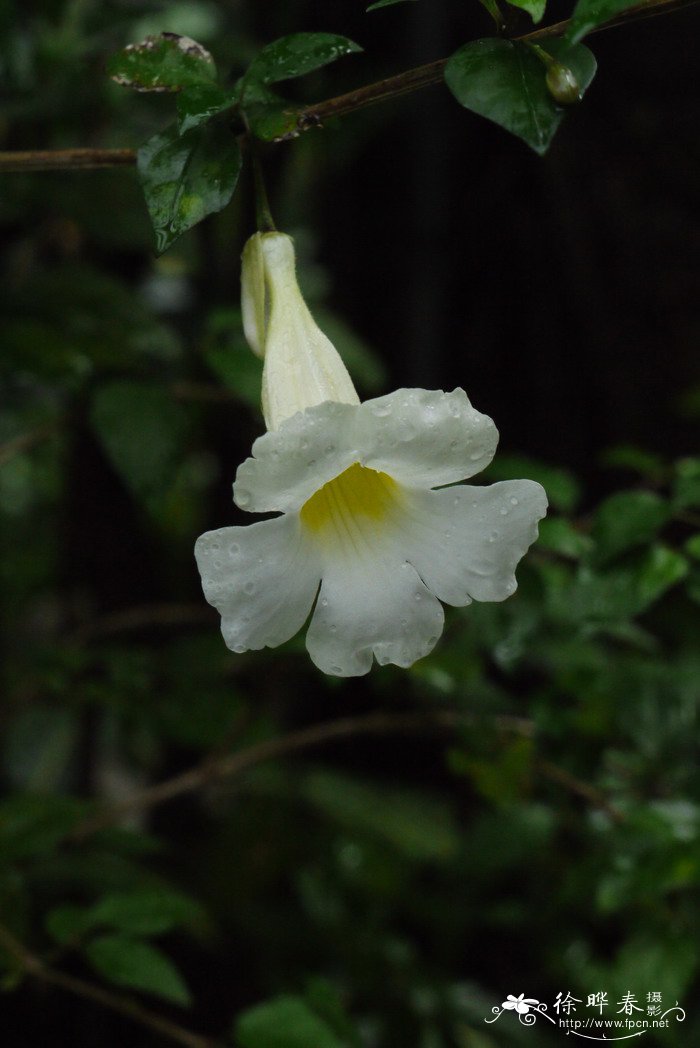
(599, 1019)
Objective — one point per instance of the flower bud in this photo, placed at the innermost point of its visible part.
(563, 85)
(302, 367)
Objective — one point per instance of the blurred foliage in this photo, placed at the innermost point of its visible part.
(379, 891)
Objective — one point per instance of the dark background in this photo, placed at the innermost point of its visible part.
(560, 292)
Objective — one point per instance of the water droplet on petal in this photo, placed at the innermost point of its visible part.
(514, 501)
(239, 648)
(504, 511)
(324, 602)
(249, 587)
(475, 456)
(333, 627)
(381, 410)
(234, 548)
(242, 497)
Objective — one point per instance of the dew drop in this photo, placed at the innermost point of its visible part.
(417, 597)
(475, 456)
(324, 602)
(381, 410)
(242, 497)
(454, 444)
(249, 587)
(514, 501)
(239, 648)
(493, 536)
(234, 548)
(333, 627)
(337, 669)
(504, 511)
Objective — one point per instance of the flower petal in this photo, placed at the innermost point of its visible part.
(465, 542)
(262, 579)
(290, 463)
(424, 437)
(367, 605)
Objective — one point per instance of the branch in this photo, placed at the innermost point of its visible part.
(424, 76)
(32, 965)
(231, 765)
(313, 115)
(65, 159)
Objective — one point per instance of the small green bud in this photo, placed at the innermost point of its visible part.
(563, 85)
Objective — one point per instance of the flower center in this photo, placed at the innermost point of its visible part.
(357, 494)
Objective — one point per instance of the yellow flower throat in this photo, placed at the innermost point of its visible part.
(358, 492)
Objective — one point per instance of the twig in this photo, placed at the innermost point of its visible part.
(314, 115)
(582, 789)
(66, 159)
(32, 965)
(232, 765)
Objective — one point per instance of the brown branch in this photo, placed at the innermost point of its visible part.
(314, 115)
(233, 764)
(424, 76)
(230, 765)
(66, 159)
(591, 794)
(33, 966)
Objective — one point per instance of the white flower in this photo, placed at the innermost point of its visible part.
(361, 491)
(520, 1004)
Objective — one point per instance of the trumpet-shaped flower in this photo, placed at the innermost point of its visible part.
(369, 535)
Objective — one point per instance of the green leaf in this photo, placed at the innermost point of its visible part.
(559, 536)
(384, 3)
(138, 965)
(626, 456)
(662, 569)
(686, 484)
(185, 178)
(167, 62)
(504, 81)
(417, 826)
(142, 431)
(145, 912)
(35, 825)
(284, 1022)
(692, 546)
(68, 923)
(200, 102)
(628, 519)
(297, 54)
(590, 13)
(535, 8)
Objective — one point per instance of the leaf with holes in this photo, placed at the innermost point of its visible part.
(296, 55)
(505, 82)
(187, 177)
(167, 62)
